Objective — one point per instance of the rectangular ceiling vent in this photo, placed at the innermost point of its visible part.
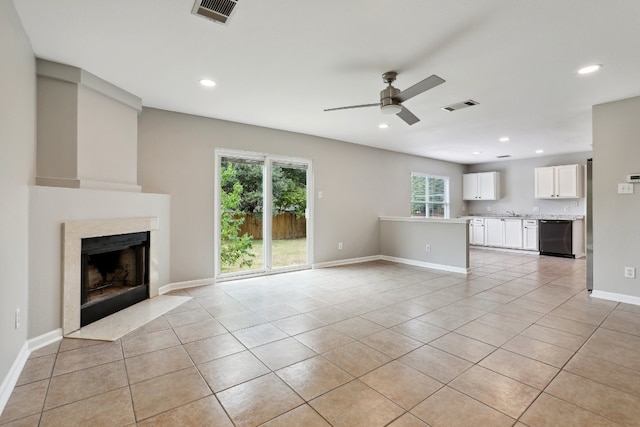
(214, 10)
(504, 156)
(460, 105)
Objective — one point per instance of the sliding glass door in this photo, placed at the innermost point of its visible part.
(288, 214)
(262, 213)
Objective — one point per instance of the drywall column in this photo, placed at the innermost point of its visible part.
(616, 231)
(87, 131)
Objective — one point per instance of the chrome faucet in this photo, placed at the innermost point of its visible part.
(512, 213)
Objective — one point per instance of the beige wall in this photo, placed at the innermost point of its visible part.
(448, 242)
(616, 229)
(359, 184)
(17, 171)
(107, 139)
(57, 113)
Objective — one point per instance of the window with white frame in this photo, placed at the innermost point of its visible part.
(429, 196)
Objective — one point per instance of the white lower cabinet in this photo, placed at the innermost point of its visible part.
(500, 232)
(493, 231)
(512, 233)
(530, 234)
(476, 231)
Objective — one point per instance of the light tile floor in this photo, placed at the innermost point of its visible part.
(517, 342)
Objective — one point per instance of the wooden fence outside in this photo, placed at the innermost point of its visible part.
(284, 226)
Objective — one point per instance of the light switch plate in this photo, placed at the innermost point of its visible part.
(625, 188)
(630, 272)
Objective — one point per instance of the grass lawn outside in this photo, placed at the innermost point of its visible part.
(285, 253)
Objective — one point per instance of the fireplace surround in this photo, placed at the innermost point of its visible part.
(73, 233)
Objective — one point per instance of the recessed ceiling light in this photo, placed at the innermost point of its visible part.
(383, 126)
(504, 139)
(589, 69)
(207, 83)
(539, 151)
(477, 152)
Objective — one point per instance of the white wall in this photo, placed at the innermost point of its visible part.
(17, 171)
(359, 184)
(616, 229)
(517, 186)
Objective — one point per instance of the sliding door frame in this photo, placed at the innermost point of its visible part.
(268, 161)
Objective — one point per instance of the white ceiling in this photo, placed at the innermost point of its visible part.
(279, 63)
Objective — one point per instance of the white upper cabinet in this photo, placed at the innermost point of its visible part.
(481, 186)
(557, 182)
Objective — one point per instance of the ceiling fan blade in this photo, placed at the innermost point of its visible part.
(377, 104)
(423, 86)
(408, 116)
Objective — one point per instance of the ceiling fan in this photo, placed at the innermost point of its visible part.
(391, 98)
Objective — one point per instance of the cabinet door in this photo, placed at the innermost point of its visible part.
(567, 181)
(470, 186)
(513, 233)
(487, 186)
(477, 234)
(530, 235)
(545, 183)
(493, 231)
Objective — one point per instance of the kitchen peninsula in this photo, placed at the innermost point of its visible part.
(436, 243)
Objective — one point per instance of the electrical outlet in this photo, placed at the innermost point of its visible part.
(630, 272)
(320, 194)
(566, 208)
(427, 248)
(625, 188)
(340, 245)
(536, 209)
(17, 323)
(488, 208)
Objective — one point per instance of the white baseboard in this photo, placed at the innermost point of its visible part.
(612, 296)
(9, 382)
(346, 261)
(443, 267)
(433, 266)
(511, 250)
(44, 339)
(184, 285)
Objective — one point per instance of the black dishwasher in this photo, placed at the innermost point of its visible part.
(556, 237)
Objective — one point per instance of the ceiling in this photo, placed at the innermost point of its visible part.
(279, 63)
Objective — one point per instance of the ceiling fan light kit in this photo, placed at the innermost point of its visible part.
(391, 108)
(391, 98)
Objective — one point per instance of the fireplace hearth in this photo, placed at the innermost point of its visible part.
(114, 274)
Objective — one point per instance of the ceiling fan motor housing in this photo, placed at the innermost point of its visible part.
(387, 96)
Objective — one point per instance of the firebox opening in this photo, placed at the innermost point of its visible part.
(115, 274)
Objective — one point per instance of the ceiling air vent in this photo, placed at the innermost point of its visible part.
(504, 156)
(460, 105)
(215, 10)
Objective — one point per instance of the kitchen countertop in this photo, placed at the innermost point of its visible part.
(423, 219)
(536, 216)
